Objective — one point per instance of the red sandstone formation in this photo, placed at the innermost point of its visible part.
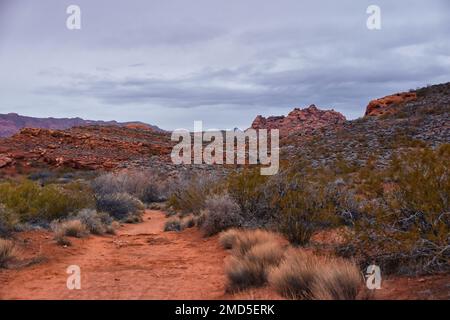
(389, 104)
(91, 147)
(300, 120)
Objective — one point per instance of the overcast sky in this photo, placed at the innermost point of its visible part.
(170, 62)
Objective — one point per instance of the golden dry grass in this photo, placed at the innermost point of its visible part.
(7, 252)
(254, 253)
(71, 228)
(306, 276)
(227, 239)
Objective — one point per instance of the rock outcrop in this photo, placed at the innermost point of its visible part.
(389, 104)
(300, 121)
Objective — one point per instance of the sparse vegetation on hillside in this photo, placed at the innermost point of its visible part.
(407, 228)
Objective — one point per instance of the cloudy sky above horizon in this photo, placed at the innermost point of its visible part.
(170, 62)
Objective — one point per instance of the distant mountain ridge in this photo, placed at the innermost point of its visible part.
(12, 123)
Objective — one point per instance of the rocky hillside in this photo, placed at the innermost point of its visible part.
(12, 123)
(90, 147)
(402, 121)
(303, 121)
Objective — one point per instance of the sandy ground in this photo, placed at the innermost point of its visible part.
(143, 262)
(139, 262)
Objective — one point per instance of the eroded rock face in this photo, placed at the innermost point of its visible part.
(300, 120)
(389, 104)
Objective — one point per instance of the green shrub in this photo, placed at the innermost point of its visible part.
(253, 194)
(305, 208)
(188, 194)
(407, 229)
(31, 202)
(8, 220)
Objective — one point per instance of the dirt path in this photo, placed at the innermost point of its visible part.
(139, 262)
(143, 262)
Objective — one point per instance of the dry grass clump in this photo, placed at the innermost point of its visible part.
(247, 239)
(188, 222)
(70, 228)
(227, 239)
(7, 252)
(339, 280)
(306, 276)
(173, 224)
(254, 254)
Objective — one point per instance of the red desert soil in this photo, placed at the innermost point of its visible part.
(143, 262)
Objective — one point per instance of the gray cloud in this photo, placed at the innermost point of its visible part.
(224, 61)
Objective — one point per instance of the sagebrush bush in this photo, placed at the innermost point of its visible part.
(7, 252)
(306, 276)
(96, 222)
(221, 212)
(32, 202)
(119, 205)
(144, 185)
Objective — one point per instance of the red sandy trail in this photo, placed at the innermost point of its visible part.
(143, 262)
(139, 262)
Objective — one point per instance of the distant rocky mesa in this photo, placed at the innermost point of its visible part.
(300, 121)
(12, 123)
